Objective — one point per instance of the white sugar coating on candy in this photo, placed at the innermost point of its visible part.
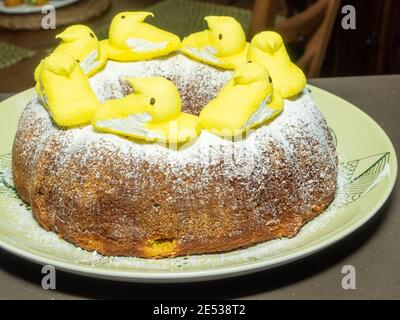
(206, 54)
(90, 62)
(142, 45)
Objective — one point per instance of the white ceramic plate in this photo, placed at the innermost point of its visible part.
(25, 8)
(367, 175)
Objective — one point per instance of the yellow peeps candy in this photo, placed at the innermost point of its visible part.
(65, 91)
(131, 39)
(267, 48)
(152, 112)
(222, 45)
(245, 102)
(80, 42)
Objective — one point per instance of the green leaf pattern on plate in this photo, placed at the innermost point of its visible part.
(6, 183)
(364, 174)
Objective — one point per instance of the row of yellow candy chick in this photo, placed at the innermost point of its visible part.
(263, 76)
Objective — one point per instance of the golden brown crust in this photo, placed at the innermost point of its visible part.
(130, 206)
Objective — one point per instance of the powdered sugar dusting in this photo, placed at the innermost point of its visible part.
(18, 219)
(286, 167)
(299, 118)
(300, 121)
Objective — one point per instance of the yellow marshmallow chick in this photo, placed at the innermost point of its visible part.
(65, 91)
(80, 42)
(243, 103)
(222, 45)
(152, 113)
(267, 48)
(131, 39)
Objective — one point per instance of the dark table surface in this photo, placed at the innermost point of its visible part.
(373, 250)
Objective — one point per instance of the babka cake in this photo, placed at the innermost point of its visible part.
(172, 148)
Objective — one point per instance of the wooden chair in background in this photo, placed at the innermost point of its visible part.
(314, 24)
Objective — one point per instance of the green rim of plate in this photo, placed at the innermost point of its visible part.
(369, 170)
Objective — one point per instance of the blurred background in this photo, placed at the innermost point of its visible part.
(313, 30)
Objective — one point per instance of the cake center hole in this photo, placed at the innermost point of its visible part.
(196, 89)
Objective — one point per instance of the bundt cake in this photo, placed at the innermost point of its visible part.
(122, 195)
